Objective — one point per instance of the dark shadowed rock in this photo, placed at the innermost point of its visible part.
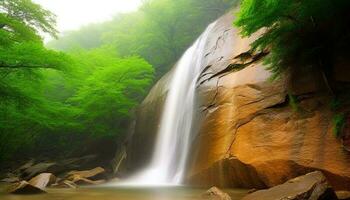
(10, 179)
(312, 186)
(30, 170)
(36, 169)
(43, 180)
(25, 166)
(215, 193)
(24, 187)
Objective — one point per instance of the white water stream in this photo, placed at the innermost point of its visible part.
(174, 135)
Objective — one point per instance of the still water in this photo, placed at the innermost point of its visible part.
(163, 193)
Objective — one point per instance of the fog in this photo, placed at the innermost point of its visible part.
(72, 14)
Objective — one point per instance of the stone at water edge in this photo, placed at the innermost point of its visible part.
(10, 180)
(343, 195)
(312, 186)
(24, 187)
(85, 181)
(83, 177)
(87, 173)
(215, 193)
(65, 184)
(43, 180)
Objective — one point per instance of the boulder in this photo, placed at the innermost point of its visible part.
(93, 173)
(11, 178)
(43, 180)
(85, 181)
(87, 177)
(343, 195)
(29, 170)
(65, 184)
(25, 166)
(215, 193)
(312, 186)
(24, 187)
(36, 169)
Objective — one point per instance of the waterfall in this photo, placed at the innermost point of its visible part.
(173, 141)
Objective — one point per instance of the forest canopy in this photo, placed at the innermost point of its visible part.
(85, 86)
(51, 99)
(297, 33)
(160, 31)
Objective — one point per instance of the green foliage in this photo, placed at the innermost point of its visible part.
(53, 102)
(159, 31)
(22, 53)
(338, 121)
(108, 94)
(297, 33)
(29, 15)
(293, 102)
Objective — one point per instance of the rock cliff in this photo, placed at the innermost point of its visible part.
(247, 133)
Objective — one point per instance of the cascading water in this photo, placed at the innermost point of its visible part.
(174, 135)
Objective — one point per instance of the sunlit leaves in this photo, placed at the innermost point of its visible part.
(298, 33)
(113, 88)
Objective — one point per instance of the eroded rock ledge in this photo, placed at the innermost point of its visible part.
(249, 134)
(246, 133)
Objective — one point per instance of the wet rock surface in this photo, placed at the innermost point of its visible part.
(43, 180)
(343, 195)
(87, 177)
(215, 193)
(140, 144)
(40, 182)
(93, 173)
(24, 187)
(248, 133)
(312, 186)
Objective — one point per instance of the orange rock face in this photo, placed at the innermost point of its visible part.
(248, 133)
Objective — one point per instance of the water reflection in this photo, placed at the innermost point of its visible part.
(123, 193)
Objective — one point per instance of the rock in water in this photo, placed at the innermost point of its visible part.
(343, 195)
(65, 184)
(215, 193)
(24, 187)
(86, 174)
(43, 180)
(85, 181)
(83, 177)
(312, 186)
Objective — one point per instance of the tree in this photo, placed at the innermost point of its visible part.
(21, 47)
(297, 33)
(160, 31)
(114, 87)
(24, 110)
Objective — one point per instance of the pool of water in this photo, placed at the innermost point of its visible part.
(121, 193)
